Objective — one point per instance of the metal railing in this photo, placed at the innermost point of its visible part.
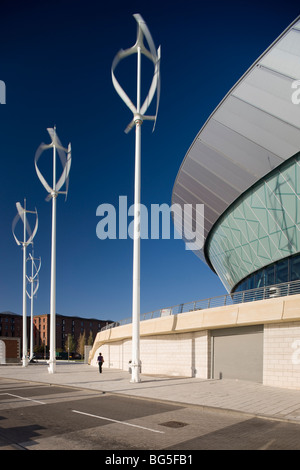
(252, 295)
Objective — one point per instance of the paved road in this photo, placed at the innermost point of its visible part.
(44, 417)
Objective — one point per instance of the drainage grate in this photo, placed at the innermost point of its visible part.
(174, 424)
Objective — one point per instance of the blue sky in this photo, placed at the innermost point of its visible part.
(55, 59)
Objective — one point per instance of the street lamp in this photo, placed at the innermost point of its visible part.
(138, 118)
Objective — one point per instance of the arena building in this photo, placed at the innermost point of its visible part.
(244, 167)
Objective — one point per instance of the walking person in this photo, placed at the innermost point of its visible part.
(100, 360)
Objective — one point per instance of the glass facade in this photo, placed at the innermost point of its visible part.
(285, 270)
(255, 240)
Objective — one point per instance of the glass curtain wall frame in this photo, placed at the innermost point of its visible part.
(261, 227)
(282, 271)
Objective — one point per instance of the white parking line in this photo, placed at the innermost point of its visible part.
(116, 421)
(24, 398)
(29, 387)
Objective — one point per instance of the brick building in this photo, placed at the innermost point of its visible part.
(10, 337)
(9, 350)
(11, 326)
(64, 326)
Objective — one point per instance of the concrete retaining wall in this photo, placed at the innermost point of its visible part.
(180, 345)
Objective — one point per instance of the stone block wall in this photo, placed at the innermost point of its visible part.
(180, 345)
(185, 354)
(282, 354)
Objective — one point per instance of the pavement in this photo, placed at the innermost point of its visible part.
(224, 395)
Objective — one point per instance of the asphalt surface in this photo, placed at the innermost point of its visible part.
(253, 399)
(77, 408)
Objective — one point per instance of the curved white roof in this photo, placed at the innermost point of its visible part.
(253, 130)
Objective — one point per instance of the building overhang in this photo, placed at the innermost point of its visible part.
(255, 128)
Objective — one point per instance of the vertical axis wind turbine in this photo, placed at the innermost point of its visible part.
(33, 279)
(54, 191)
(138, 118)
(22, 211)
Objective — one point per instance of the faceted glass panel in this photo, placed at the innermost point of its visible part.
(262, 227)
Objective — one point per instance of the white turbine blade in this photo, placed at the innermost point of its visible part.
(36, 287)
(45, 146)
(40, 264)
(58, 145)
(62, 179)
(38, 153)
(15, 220)
(155, 85)
(65, 158)
(36, 269)
(54, 138)
(62, 155)
(20, 215)
(36, 225)
(51, 132)
(151, 93)
(69, 161)
(154, 56)
(129, 127)
(158, 86)
(62, 151)
(20, 210)
(116, 84)
(119, 56)
(35, 229)
(146, 33)
(28, 230)
(65, 174)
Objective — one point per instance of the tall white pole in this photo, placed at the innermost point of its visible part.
(21, 213)
(52, 361)
(138, 117)
(33, 279)
(54, 191)
(135, 364)
(24, 356)
(31, 313)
